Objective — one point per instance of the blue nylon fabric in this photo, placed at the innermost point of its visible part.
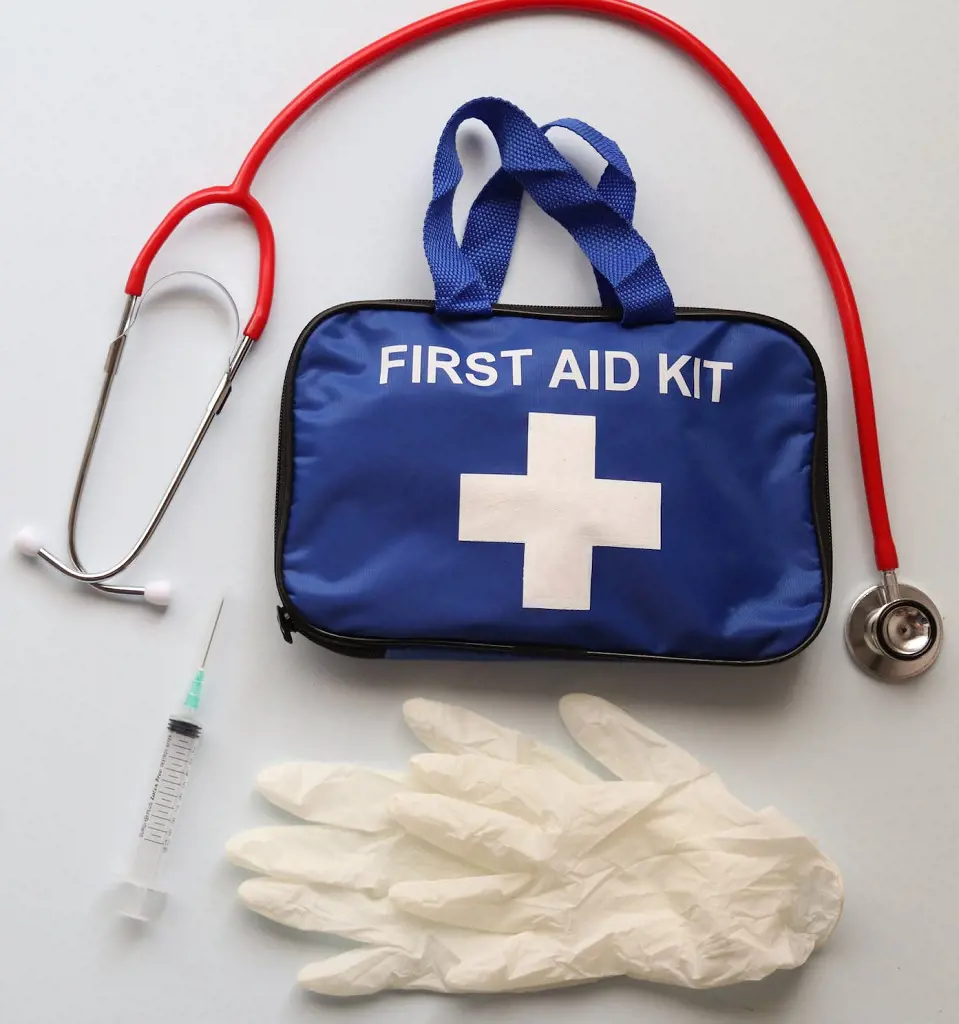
(609, 241)
(371, 544)
(493, 218)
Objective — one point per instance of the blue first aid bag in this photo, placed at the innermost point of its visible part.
(633, 480)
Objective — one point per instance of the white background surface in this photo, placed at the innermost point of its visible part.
(112, 111)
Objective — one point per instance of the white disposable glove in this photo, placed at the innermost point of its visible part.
(498, 864)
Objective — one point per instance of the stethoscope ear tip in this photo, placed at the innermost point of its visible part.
(158, 592)
(27, 542)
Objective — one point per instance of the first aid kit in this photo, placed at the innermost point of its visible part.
(485, 512)
(637, 480)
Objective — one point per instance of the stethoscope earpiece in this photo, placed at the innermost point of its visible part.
(157, 592)
(894, 631)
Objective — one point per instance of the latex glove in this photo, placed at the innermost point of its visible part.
(665, 877)
(334, 875)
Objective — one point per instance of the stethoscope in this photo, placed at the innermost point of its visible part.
(893, 630)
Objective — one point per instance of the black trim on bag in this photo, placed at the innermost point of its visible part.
(291, 620)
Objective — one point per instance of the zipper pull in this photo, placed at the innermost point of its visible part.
(286, 623)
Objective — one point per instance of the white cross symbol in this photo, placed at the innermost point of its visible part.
(560, 511)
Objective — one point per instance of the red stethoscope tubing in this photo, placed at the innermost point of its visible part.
(238, 194)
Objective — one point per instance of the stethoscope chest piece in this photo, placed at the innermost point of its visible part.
(894, 631)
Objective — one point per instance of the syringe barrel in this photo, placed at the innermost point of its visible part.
(156, 830)
(170, 781)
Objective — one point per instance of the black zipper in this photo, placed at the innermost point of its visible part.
(291, 620)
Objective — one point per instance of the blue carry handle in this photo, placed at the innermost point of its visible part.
(607, 238)
(491, 225)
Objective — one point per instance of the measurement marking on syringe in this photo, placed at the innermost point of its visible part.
(163, 806)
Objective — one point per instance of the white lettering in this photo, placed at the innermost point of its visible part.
(674, 372)
(611, 370)
(434, 363)
(487, 374)
(417, 364)
(516, 354)
(626, 385)
(567, 369)
(717, 369)
(387, 364)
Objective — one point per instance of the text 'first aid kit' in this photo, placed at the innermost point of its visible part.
(637, 480)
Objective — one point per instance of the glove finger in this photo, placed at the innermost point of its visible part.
(327, 856)
(518, 963)
(491, 839)
(623, 745)
(485, 805)
(348, 796)
(487, 903)
(478, 963)
(349, 915)
(533, 794)
(364, 972)
(701, 803)
(448, 729)
(313, 854)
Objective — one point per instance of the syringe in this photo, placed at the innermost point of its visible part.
(142, 895)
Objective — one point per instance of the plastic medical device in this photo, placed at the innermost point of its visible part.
(142, 892)
(893, 630)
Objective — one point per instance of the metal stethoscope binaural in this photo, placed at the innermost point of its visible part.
(893, 631)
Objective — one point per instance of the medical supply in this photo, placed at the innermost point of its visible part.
(27, 541)
(637, 481)
(894, 630)
(497, 864)
(142, 892)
